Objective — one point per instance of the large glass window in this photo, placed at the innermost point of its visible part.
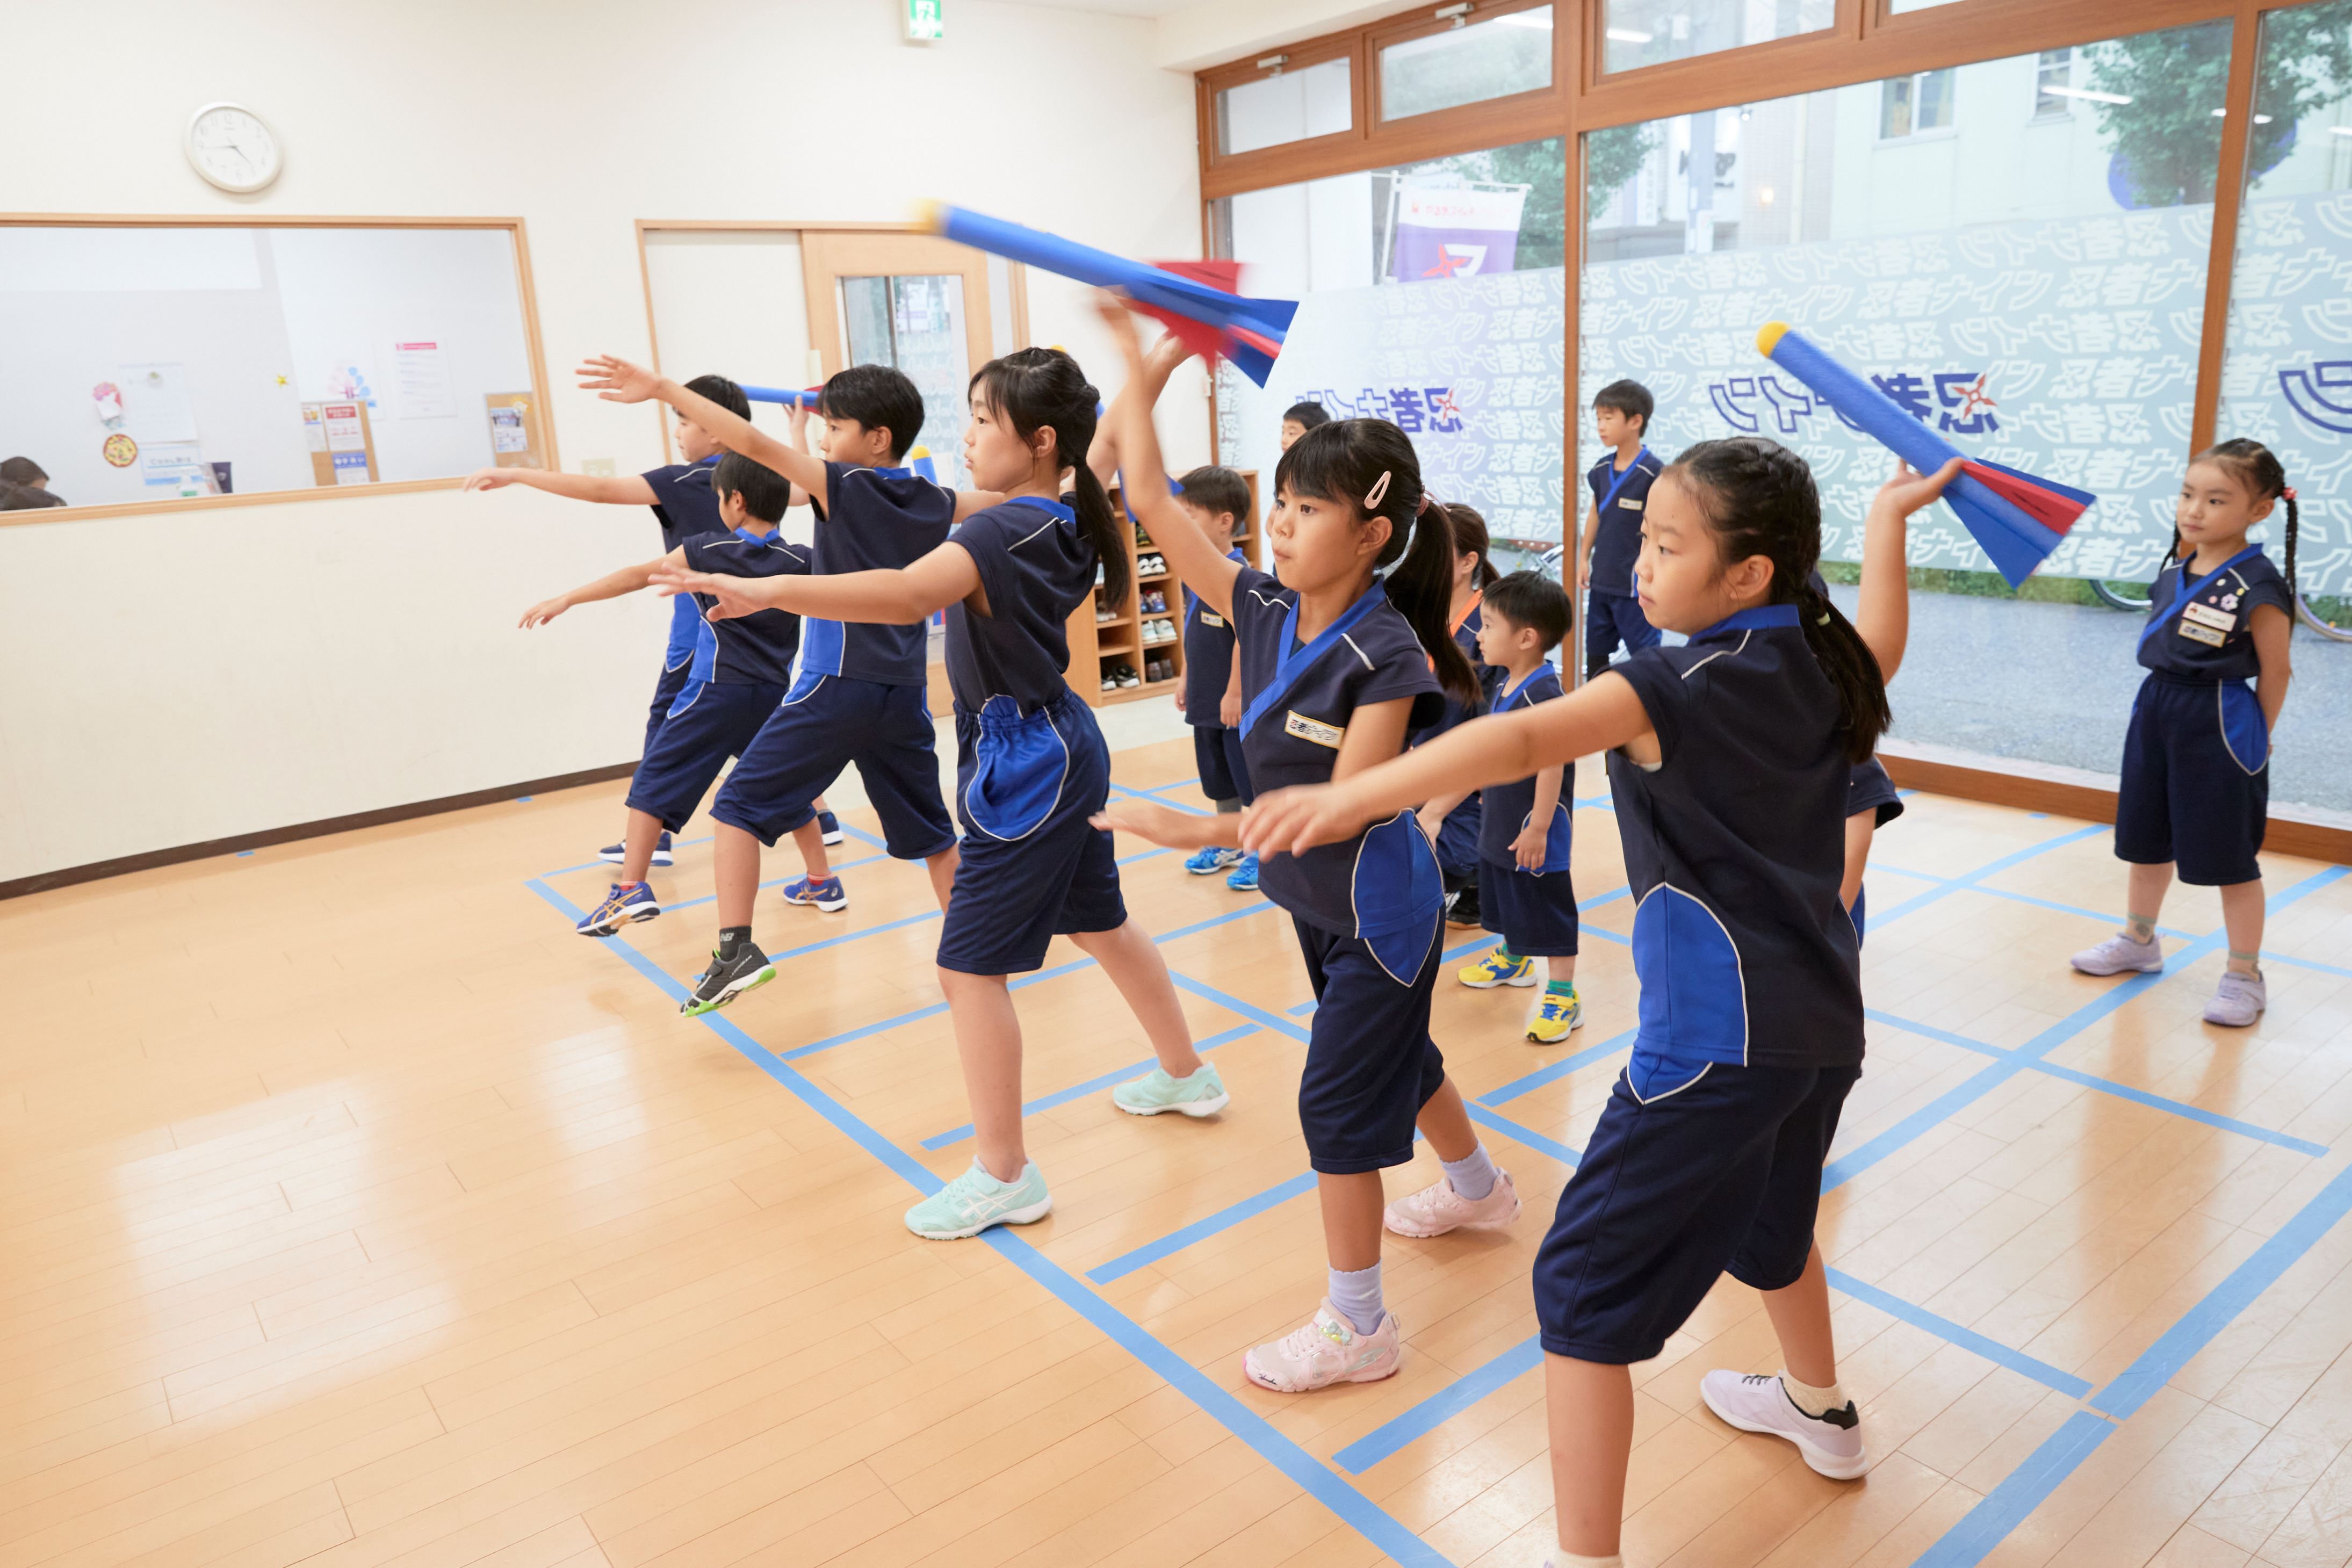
(1285, 106)
(1647, 32)
(1431, 294)
(2029, 280)
(1493, 58)
(2286, 373)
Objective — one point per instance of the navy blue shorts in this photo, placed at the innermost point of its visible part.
(1610, 619)
(665, 690)
(1217, 754)
(1457, 843)
(1694, 1169)
(1034, 865)
(826, 722)
(1868, 788)
(1370, 1064)
(1535, 916)
(716, 723)
(2187, 796)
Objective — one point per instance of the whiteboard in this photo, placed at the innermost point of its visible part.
(212, 339)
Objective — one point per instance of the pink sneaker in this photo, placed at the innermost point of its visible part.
(1327, 1351)
(1438, 1209)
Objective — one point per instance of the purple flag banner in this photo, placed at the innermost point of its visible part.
(1454, 232)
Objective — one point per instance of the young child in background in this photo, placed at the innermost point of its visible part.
(2196, 778)
(1337, 662)
(1298, 419)
(1455, 832)
(1032, 767)
(1529, 899)
(1613, 531)
(31, 475)
(861, 695)
(686, 508)
(1210, 697)
(1730, 763)
(741, 671)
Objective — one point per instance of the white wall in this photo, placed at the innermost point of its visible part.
(167, 680)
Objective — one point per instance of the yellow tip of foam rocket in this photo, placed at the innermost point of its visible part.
(1768, 337)
(931, 215)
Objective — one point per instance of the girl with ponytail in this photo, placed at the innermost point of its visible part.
(1032, 770)
(1341, 659)
(1730, 760)
(1453, 824)
(2195, 792)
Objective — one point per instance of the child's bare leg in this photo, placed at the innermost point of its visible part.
(2241, 914)
(810, 839)
(942, 867)
(1132, 961)
(1588, 1407)
(637, 846)
(735, 866)
(1800, 1316)
(2145, 900)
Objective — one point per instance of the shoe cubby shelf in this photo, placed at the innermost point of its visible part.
(1098, 647)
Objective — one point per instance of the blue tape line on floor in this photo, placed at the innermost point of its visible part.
(2005, 1507)
(1367, 1518)
(1955, 884)
(863, 837)
(1201, 1229)
(1495, 1121)
(1426, 1416)
(1554, 1071)
(1967, 1338)
(1240, 1009)
(777, 881)
(1172, 805)
(1080, 1091)
(1876, 868)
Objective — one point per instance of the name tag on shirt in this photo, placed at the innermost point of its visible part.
(1210, 618)
(1314, 729)
(2205, 634)
(1630, 503)
(2206, 615)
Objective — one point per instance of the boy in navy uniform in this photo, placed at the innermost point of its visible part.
(686, 507)
(740, 671)
(1211, 696)
(1613, 531)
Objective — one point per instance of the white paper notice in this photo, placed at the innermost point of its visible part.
(507, 432)
(350, 468)
(420, 370)
(175, 464)
(343, 431)
(156, 401)
(314, 430)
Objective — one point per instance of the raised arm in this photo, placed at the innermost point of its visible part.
(1884, 614)
(1158, 365)
(629, 490)
(904, 597)
(1596, 717)
(618, 381)
(1203, 567)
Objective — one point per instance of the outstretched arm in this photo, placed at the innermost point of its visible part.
(1884, 614)
(901, 597)
(617, 491)
(1596, 717)
(618, 381)
(1202, 566)
(628, 580)
(1158, 365)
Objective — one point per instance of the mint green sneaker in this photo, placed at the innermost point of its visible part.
(1203, 1094)
(976, 1200)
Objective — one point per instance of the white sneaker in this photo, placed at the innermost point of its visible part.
(1328, 1350)
(1756, 1402)
(2120, 953)
(2238, 1000)
(1438, 1209)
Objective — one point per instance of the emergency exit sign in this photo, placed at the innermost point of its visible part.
(927, 21)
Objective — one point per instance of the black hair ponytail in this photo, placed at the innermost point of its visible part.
(1043, 388)
(1758, 498)
(1470, 537)
(2257, 467)
(1368, 465)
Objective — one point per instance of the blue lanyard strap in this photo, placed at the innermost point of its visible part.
(1513, 694)
(1061, 513)
(2187, 591)
(1294, 662)
(1611, 499)
(1748, 619)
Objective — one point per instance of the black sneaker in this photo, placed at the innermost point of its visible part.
(828, 827)
(726, 979)
(1463, 910)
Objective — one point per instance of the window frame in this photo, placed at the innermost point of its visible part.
(1423, 24)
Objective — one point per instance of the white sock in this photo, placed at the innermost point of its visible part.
(1357, 1296)
(1564, 1558)
(1472, 1178)
(1814, 1402)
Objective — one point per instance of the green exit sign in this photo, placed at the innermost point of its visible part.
(927, 21)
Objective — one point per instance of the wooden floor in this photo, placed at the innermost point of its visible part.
(354, 1210)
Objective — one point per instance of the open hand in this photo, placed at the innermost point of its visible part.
(1229, 710)
(1905, 492)
(1148, 820)
(672, 581)
(545, 610)
(1293, 821)
(616, 380)
(1528, 848)
(489, 479)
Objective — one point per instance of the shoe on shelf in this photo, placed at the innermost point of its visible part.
(1756, 1402)
(1438, 1209)
(2238, 1000)
(1328, 1350)
(1555, 1017)
(1210, 862)
(1203, 1094)
(828, 827)
(1245, 877)
(828, 895)
(1126, 674)
(1463, 910)
(976, 1200)
(627, 906)
(613, 854)
(2120, 953)
(1109, 683)
(726, 979)
(1493, 969)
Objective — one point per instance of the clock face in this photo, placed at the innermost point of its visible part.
(231, 147)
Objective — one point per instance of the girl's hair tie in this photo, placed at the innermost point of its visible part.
(2287, 493)
(1822, 619)
(1379, 488)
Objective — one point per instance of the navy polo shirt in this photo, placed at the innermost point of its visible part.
(874, 519)
(759, 646)
(1296, 740)
(1208, 658)
(2209, 635)
(1036, 567)
(686, 508)
(1618, 540)
(1509, 806)
(1735, 847)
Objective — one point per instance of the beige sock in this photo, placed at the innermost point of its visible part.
(1814, 1402)
(1566, 1559)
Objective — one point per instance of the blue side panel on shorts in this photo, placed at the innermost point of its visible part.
(2243, 729)
(1400, 894)
(1019, 764)
(1694, 1003)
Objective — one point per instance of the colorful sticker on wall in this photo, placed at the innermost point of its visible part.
(350, 383)
(120, 450)
(106, 399)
